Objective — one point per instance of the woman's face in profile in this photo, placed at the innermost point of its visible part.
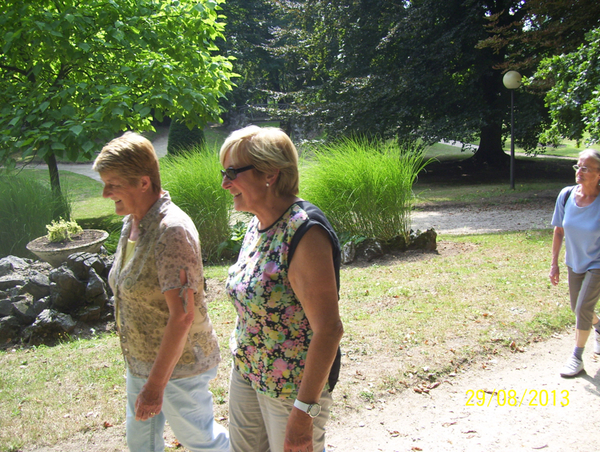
(248, 189)
(121, 192)
(588, 172)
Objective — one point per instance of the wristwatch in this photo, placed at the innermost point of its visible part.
(312, 409)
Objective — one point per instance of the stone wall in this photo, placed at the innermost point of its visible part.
(40, 303)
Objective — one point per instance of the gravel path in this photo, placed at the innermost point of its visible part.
(483, 219)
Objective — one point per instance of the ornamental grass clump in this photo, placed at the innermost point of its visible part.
(26, 207)
(193, 180)
(364, 187)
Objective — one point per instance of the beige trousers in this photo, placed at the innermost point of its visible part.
(257, 422)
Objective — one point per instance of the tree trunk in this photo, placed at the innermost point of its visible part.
(490, 148)
(54, 177)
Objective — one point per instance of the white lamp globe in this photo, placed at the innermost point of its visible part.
(512, 80)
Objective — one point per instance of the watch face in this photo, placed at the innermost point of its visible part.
(314, 410)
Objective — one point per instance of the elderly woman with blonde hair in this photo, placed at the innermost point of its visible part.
(576, 219)
(167, 339)
(284, 287)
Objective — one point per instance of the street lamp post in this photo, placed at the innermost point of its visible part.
(512, 80)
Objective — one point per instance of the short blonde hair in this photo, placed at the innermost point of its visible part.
(131, 156)
(268, 149)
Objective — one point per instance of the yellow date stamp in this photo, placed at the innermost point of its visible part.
(512, 398)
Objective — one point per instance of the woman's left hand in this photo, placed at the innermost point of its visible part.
(148, 403)
(298, 432)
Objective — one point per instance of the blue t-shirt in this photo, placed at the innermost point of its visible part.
(582, 231)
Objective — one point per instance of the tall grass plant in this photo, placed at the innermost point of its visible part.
(364, 187)
(26, 207)
(194, 182)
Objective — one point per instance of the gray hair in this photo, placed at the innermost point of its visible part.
(591, 153)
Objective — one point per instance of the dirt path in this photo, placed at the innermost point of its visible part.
(483, 219)
(442, 421)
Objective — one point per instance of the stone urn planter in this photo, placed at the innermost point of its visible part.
(55, 253)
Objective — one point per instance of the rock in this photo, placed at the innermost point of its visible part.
(398, 243)
(49, 323)
(89, 314)
(95, 290)
(29, 288)
(80, 264)
(11, 280)
(23, 309)
(423, 240)
(9, 329)
(66, 291)
(348, 253)
(37, 285)
(6, 307)
(9, 264)
(41, 304)
(370, 249)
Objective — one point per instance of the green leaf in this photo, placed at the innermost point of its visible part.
(76, 130)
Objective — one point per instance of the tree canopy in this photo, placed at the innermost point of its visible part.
(420, 68)
(574, 99)
(412, 69)
(74, 74)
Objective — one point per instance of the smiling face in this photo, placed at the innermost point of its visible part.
(590, 178)
(125, 196)
(248, 188)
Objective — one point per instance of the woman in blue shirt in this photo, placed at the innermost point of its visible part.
(577, 219)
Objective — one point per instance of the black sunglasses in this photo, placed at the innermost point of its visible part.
(231, 172)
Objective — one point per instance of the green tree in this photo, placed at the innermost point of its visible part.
(540, 29)
(268, 43)
(249, 33)
(73, 74)
(573, 99)
(405, 68)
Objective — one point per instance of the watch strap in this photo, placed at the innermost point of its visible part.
(307, 407)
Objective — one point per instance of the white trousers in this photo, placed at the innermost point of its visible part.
(188, 406)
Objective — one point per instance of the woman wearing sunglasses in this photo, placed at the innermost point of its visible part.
(576, 219)
(284, 287)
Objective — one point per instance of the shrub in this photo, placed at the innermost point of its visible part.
(182, 139)
(364, 187)
(112, 224)
(194, 182)
(26, 207)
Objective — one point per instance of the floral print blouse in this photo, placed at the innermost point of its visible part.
(168, 242)
(271, 338)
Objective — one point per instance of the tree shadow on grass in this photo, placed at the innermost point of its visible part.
(527, 169)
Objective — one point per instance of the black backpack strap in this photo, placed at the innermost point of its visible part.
(317, 218)
(568, 194)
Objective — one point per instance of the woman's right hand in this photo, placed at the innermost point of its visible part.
(554, 274)
(148, 403)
